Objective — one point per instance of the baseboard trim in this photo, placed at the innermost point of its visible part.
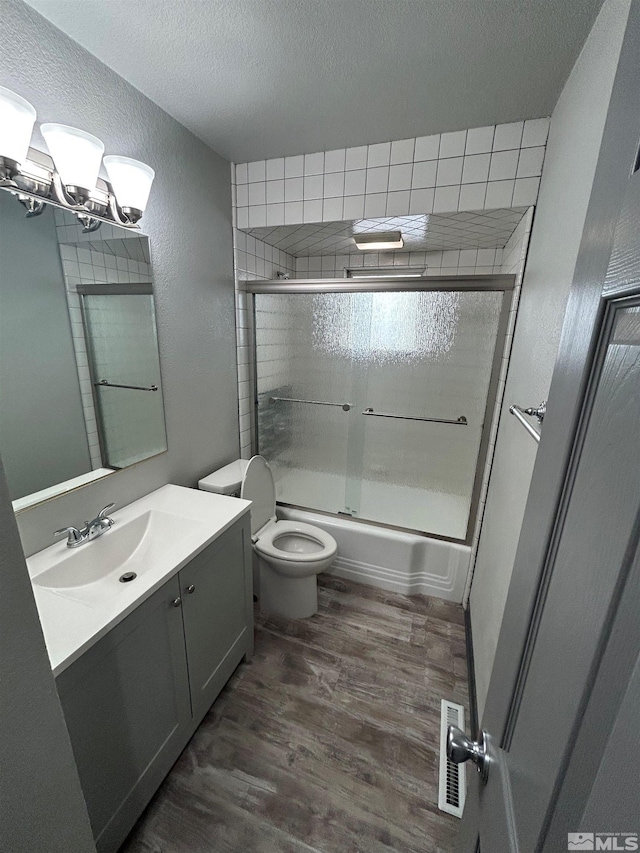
(471, 675)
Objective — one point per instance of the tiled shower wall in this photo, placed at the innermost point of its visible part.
(449, 262)
(476, 169)
(254, 260)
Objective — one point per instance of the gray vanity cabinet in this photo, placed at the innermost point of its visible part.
(216, 621)
(133, 700)
(126, 704)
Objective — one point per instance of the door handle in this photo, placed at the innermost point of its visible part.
(461, 748)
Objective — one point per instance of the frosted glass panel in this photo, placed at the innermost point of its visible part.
(304, 440)
(122, 338)
(407, 354)
(431, 356)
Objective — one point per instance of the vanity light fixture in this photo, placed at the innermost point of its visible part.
(131, 182)
(17, 118)
(379, 240)
(76, 156)
(69, 177)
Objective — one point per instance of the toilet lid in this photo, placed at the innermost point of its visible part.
(258, 486)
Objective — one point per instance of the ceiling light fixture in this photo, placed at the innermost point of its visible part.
(385, 272)
(378, 241)
(69, 177)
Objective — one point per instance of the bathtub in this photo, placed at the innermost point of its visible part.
(392, 559)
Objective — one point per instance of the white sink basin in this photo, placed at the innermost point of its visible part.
(92, 572)
(78, 590)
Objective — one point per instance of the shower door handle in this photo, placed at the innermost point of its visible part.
(461, 421)
(344, 406)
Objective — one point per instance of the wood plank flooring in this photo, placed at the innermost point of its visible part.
(327, 741)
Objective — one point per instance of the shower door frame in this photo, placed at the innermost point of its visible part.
(476, 283)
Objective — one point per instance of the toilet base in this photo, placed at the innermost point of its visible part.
(293, 598)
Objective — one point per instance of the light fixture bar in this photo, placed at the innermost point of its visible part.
(385, 272)
(379, 240)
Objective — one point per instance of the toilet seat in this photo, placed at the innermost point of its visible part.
(267, 544)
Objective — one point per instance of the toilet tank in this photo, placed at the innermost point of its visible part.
(227, 480)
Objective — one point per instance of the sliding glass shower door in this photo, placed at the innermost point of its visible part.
(373, 403)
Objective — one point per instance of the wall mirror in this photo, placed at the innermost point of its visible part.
(80, 386)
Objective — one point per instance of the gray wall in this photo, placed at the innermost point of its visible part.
(43, 439)
(42, 804)
(574, 141)
(189, 225)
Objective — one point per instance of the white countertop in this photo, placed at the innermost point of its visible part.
(73, 618)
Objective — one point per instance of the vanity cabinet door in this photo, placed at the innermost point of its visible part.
(126, 703)
(217, 608)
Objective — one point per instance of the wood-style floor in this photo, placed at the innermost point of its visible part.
(327, 741)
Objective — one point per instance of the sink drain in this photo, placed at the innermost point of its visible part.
(128, 576)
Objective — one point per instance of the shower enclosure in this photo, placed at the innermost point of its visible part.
(374, 399)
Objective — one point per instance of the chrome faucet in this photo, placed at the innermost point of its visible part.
(91, 530)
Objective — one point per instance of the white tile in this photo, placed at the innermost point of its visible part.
(427, 147)
(275, 169)
(354, 182)
(402, 151)
(499, 194)
(450, 258)
(535, 133)
(398, 203)
(446, 199)
(257, 193)
(508, 136)
(314, 163)
(452, 144)
(424, 174)
(275, 214)
(526, 191)
(293, 212)
(449, 171)
(293, 166)
(313, 186)
(334, 160)
(313, 210)
(356, 158)
(476, 168)
(375, 204)
(242, 195)
(379, 155)
(479, 140)
(530, 162)
(503, 165)
(257, 216)
(293, 189)
(275, 192)
(468, 257)
(486, 257)
(332, 210)
(333, 184)
(257, 171)
(377, 180)
(353, 207)
(400, 176)
(241, 173)
(421, 201)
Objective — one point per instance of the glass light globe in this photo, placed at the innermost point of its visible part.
(77, 155)
(131, 181)
(17, 118)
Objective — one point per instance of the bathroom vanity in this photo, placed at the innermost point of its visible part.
(137, 669)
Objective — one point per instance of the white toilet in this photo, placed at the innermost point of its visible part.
(290, 553)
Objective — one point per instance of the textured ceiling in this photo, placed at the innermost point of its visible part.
(268, 78)
(426, 233)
